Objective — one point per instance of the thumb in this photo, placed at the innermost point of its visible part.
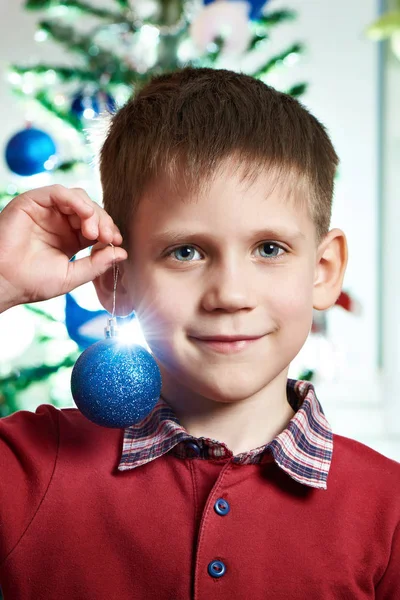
(87, 269)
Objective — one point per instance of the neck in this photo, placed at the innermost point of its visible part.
(241, 425)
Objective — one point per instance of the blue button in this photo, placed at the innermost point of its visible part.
(216, 568)
(193, 448)
(222, 507)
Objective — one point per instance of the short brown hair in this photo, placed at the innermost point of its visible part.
(187, 122)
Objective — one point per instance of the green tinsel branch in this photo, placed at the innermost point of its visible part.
(68, 165)
(67, 35)
(5, 198)
(44, 100)
(297, 90)
(20, 380)
(100, 63)
(123, 3)
(273, 62)
(307, 375)
(212, 55)
(45, 4)
(124, 76)
(89, 9)
(276, 17)
(41, 313)
(272, 18)
(256, 40)
(40, 4)
(65, 74)
(68, 117)
(80, 43)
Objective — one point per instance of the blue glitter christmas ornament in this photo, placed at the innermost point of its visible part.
(28, 152)
(114, 384)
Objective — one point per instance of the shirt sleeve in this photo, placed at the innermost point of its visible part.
(389, 586)
(28, 454)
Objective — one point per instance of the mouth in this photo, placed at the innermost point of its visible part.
(226, 344)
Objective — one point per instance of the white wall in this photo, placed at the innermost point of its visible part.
(341, 66)
(391, 241)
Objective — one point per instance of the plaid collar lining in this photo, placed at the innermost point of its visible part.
(303, 450)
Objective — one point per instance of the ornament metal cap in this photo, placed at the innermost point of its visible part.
(112, 329)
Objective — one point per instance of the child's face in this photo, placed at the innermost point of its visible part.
(202, 267)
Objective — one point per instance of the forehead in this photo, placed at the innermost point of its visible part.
(226, 203)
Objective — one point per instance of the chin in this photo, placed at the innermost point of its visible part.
(233, 391)
(234, 385)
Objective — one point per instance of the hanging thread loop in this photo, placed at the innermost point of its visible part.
(111, 330)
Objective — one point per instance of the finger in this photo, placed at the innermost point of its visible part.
(106, 228)
(82, 194)
(74, 221)
(118, 239)
(86, 269)
(67, 201)
(108, 232)
(100, 246)
(92, 229)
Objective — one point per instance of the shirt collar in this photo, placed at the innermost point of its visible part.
(303, 450)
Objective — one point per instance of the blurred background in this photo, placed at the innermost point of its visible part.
(66, 65)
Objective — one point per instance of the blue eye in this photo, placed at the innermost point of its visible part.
(187, 253)
(267, 246)
(184, 253)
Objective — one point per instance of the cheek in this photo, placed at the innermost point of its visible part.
(292, 306)
(161, 307)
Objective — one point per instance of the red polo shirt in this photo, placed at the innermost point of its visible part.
(152, 512)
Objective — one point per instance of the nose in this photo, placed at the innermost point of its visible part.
(228, 287)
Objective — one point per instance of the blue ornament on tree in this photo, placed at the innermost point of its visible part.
(88, 106)
(86, 327)
(256, 7)
(30, 151)
(78, 318)
(114, 384)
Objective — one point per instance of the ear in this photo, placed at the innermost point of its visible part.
(104, 285)
(332, 256)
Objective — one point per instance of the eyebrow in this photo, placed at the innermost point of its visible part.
(176, 237)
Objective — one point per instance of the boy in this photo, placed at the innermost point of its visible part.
(234, 486)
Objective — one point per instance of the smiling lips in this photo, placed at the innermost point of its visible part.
(226, 344)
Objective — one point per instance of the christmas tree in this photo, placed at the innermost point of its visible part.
(117, 48)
